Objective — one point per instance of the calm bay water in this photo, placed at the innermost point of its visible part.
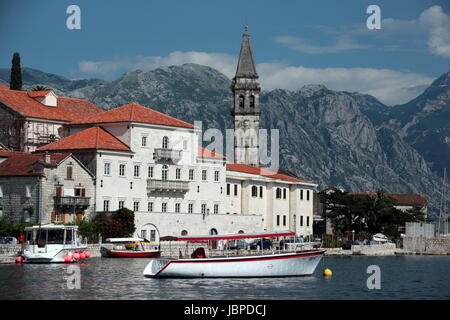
(404, 277)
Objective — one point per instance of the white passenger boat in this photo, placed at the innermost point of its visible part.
(272, 262)
(52, 243)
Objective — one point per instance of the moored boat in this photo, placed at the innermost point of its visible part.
(52, 244)
(132, 248)
(275, 262)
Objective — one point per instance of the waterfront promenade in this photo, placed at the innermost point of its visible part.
(8, 252)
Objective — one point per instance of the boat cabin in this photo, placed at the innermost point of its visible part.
(51, 234)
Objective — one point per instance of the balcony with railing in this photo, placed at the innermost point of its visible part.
(167, 154)
(71, 201)
(172, 186)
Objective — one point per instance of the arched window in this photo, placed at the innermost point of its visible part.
(241, 101)
(184, 233)
(241, 231)
(165, 172)
(278, 193)
(252, 101)
(213, 231)
(254, 191)
(165, 143)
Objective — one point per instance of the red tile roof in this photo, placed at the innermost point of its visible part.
(39, 93)
(22, 165)
(205, 153)
(67, 109)
(134, 112)
(8, 153)
(4, 87)
(92, 138)
(400, 199)
(260, 171)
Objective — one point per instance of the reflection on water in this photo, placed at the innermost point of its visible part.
(410, 277)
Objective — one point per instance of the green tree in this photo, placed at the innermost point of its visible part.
(16, 73)
(367, 214)
(344, 211)
(376, 209)
(120, 224)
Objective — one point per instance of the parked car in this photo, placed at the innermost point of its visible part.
(8, 240)
(348, 244)
(295, 239)
(238, 244)
(266, 244)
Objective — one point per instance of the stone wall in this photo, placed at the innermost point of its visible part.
(14, 200)
(422, 245)
(11, 128)
(387, 249)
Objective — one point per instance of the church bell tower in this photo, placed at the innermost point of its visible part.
(246, 111)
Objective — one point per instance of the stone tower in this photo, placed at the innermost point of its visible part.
(246, 111)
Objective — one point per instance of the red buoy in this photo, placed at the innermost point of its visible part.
(82, 256)
(67, 258)
(87, 254)
(76, 255)
(19, 259)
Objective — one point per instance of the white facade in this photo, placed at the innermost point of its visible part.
(182, 192)
(289, 208)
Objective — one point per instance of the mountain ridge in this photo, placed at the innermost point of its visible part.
(334, 138)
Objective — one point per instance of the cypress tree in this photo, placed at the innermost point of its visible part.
(16, 73)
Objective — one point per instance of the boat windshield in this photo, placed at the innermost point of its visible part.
(50, 236)
(55, 236)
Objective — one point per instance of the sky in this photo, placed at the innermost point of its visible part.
(294, 42)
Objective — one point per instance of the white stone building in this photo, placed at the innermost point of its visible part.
(153, 164)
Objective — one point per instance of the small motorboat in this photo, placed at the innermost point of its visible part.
(266, 261)
(133, 248)
(52, 243)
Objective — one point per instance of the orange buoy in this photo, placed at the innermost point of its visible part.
(87, 254)
(76, 255)
(19, 259)
(82, 256)
(67, 258)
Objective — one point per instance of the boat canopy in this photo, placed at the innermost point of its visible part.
(230, 236)
(50, 226)
(124, 239)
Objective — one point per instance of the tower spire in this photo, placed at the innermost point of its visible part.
(246, 65)
(246, 111)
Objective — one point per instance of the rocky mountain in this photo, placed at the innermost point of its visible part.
(59, 84)
(334, 138)
(424, 123)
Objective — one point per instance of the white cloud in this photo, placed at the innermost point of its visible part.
(438, 25)
(389, 86)
(343, 43)
(432, 26)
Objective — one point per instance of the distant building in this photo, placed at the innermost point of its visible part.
(45, 188)
(35, 118)
(418, 229)
(401, 201)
